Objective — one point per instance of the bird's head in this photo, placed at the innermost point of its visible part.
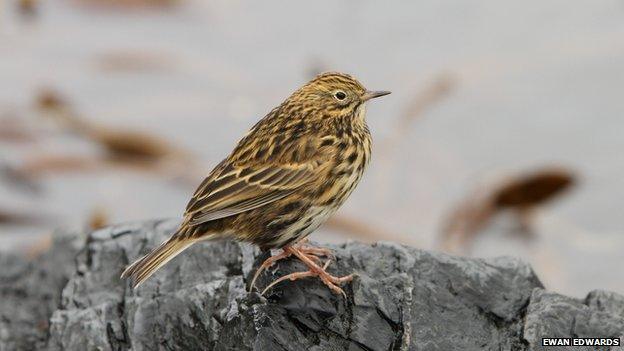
(336, 94)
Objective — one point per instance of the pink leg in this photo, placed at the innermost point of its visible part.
(314, 252)
(332, 282)
(266, 264)
(291, 276)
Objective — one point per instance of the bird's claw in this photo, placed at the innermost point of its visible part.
(310, 256)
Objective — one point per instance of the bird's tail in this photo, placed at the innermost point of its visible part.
(144, 267)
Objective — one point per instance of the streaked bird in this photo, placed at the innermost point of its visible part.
(291, 171)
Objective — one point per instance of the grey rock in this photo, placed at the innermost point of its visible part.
(30, 291)
(402, 299)
(553, 315)
(606, 301)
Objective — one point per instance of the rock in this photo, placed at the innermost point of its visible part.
(553, 315)
(402, 299)
(30, 291)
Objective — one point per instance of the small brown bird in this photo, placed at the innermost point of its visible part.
(291, 171)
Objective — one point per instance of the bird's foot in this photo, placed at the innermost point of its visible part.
(266, 264)
(309, 256)
(316, 252)
(312, 252)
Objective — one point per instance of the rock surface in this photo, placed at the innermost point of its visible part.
(71, 298)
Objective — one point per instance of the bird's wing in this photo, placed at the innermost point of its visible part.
(230, 190)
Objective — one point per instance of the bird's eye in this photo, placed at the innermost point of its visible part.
(340, 95)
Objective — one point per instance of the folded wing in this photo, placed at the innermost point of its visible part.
(231, 190)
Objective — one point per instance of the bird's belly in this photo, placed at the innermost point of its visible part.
(315, 216)
(308, 222)
(323, 201)
(339, 191)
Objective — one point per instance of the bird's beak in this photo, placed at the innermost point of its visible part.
(374, 94)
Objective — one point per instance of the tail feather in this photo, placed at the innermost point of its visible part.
(144, 267)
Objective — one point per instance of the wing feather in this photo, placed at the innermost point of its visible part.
(244, 188)
(241, 207)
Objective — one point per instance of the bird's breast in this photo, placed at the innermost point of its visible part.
(345, 172)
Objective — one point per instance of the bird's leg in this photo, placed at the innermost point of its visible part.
(304, 247)
(266, 264)
(314, 270)
(284, 254)
(306, 259)
(293, 276)
(316, 251)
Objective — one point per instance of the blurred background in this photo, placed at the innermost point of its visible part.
(503, 135)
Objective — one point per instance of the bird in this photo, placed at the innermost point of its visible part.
(285, 177)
